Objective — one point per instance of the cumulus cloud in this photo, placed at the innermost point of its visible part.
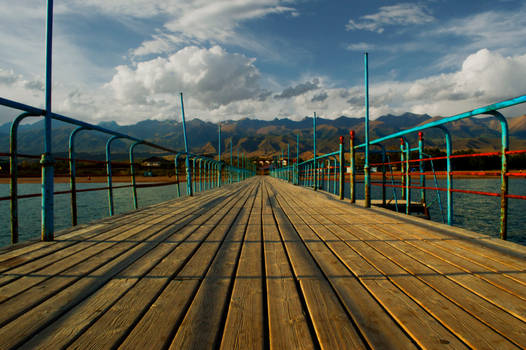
(401, 14)
(299, 89)
(212, 76)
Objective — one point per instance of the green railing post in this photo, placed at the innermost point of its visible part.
(132, 174)
(189, 187)
(47, 161)
(177, 174)
(73, 175)
(109, 173)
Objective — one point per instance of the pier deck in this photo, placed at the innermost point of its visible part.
(263, 264)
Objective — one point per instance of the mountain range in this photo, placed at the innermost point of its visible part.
(263, 138)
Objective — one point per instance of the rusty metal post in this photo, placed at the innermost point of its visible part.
(503, 174)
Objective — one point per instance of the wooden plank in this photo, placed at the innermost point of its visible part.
(207, 309)
(68, 244)
(113, 326)
(455, 318)
(49, 310)
(375, 325)
(244, 327)
(499, 297)
(354, 243)
(331, 323)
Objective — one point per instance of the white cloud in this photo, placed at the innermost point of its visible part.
(361, 47)
(212, 76)
(401, 14)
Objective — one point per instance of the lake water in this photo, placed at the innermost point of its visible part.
(473, 212)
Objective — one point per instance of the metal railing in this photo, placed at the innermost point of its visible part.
(202, 173)
(313, 172)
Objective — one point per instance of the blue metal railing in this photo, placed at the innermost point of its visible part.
(207, 172)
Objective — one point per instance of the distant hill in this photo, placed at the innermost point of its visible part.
(266, 138)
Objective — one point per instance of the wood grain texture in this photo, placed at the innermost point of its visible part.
(262, 264)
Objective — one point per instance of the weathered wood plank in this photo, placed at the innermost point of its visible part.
(173, 252)
(208, 307)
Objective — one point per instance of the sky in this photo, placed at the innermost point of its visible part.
(128, 60)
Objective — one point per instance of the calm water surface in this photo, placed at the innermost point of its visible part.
(473, 212)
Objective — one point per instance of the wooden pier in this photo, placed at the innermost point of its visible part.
(263, 264)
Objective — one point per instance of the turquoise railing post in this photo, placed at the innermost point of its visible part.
(177, 174)
(288, 163)
(314, 155)
(297, 179)
(238, 167)
(449, 176)
(189, 187)
(132, 174)
(194, 172)
(352, 179)
(109, 173)
(47, 160)
(73, 174)
(342, 166)
(202, 174)
(13, 173)
(503, 174)
(366, 169)
(231, 162)
(421, 168)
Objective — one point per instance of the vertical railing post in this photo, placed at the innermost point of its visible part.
(384, 203)
(176, 161)
(288, 162)
(407, 177)
(503, 174)
(366, 169)
(47, 160)
(109, 173)
(189, 187)
(352, 166)
(421, 169)
(297, 159)
(73, 175)
(342, 165)
(449, 176)
(132, 174)
(13, 173)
